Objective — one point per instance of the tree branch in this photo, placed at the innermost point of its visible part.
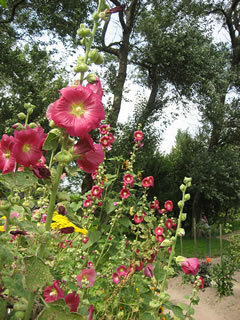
(14, 8)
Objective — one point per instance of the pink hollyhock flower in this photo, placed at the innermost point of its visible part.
(105, 141)
(96, 191)
(168, 205)
(122, 271)
(169, 250)
(90, 312)
(159, 238)
(128, 179)
(148, 182)
(153, 256)
(7, 160)
(104, 128)
(49, 112)
(72, 300)
(87, 203)
(148, 271)
(161, 211)
(27, 146)
(87, 275)
(116, 278)
(96, 87)
(90, 154)
(125, 193)
(44, 218)
(155, 205)
(169, 223)
(202, 283)
(78, 111)
(138, 219)
(53, 292)
(159, 231)
(190, 266)
(138, 136)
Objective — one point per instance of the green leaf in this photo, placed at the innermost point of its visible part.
(37, 273)
(147, 316)
(94, 236)
(125, 222)
(57, 312)
(51, 143)
(3, 3)
(19, 180)
(159, 273)
(6, 256)
(109, 206)
(177, 310)
(2, 309)
(15, 285)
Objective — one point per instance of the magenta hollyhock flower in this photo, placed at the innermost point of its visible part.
(161, 211)
(138, 219)
(86, 278)
(159, 231)
(159, 238)
(78, 111)
(148, 182)
(138, 136)
(111, 137)
(153, 256)
(96, 87)
(155, 205)
(90, 154)
(104, 128)
(105, 141)
(125, 193)
(90, 312)
(116, 278)
(90, 264)
(168, 205)
(122, 271)
(7, 160)
(94, 175)
(49, 112)
(169, 223)
(87, 203)
(41, 172)
(190, 266)
(27, 146)
(128, 179)
(148, 271)
(85, 239)
(139, 265)
(44, 218)
(72, 300)
(96, 191)
(53, 292)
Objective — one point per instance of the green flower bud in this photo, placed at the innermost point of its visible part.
(154, 304)
(21, 116)
(64, 156)
(95, 16)
(86, 32)
(82, 67)
(80, 60)
(84, 42)
(182, 187)
(187, 179)
(180, 204)
(27, 105)
(20, 127)
(99, 59)
(181, 232)
(187, 197)
(93, 55)
(91, 78)
(19, 306)
(30, 110)
(184, 216)
(180, 259)
(32, 125)
(163, 297)
(166, 243)
(52, 124)
(19, 315)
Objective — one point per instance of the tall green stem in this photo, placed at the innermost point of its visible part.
(29, 306)
(53, 198)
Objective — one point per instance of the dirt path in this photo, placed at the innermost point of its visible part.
(210, 307)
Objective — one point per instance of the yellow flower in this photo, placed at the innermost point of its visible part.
(60, 221)
(131, 211)
(2, 228)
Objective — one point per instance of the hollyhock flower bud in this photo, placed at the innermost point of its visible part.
(187, 197)
(190, 266)
(181, 232)
(184, 216)
(91, 78)
(148, 271)
(89, 275)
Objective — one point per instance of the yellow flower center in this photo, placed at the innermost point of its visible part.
(78, 109)
(53, 292)
(26, 148)
(7, 154)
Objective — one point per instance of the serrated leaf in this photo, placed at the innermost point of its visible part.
(37, 273)
(57, 312)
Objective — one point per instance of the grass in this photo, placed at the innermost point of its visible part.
(236, 225)
(202, 248)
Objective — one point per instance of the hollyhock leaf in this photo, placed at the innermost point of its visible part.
(15, 285)
(159, 273)
(125, 222)
(94, 236)
(147, 316)
(56, 311)
(37, 273)
(51, 142)
(19, 180)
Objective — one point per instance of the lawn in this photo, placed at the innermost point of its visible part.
(202, 247)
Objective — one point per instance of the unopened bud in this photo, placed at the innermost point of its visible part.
(182, 187)
(21, 116)
(82, 67)
(187, 197)
(180, 204)
(181, 232)
(184, 216)
(32, 125)
(99, 59)
(91, 78)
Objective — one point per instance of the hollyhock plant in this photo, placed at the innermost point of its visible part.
(125, 193)
(159, 231)
(96, 191)
(72, 300)
(138, 136)
(86, 278)
(27, 146)
(190, 266)
(79, 110)
(128, 179)
(53, 292)
(7, 160)
(169, 223)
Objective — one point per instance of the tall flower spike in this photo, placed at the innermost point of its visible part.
(78, 111)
